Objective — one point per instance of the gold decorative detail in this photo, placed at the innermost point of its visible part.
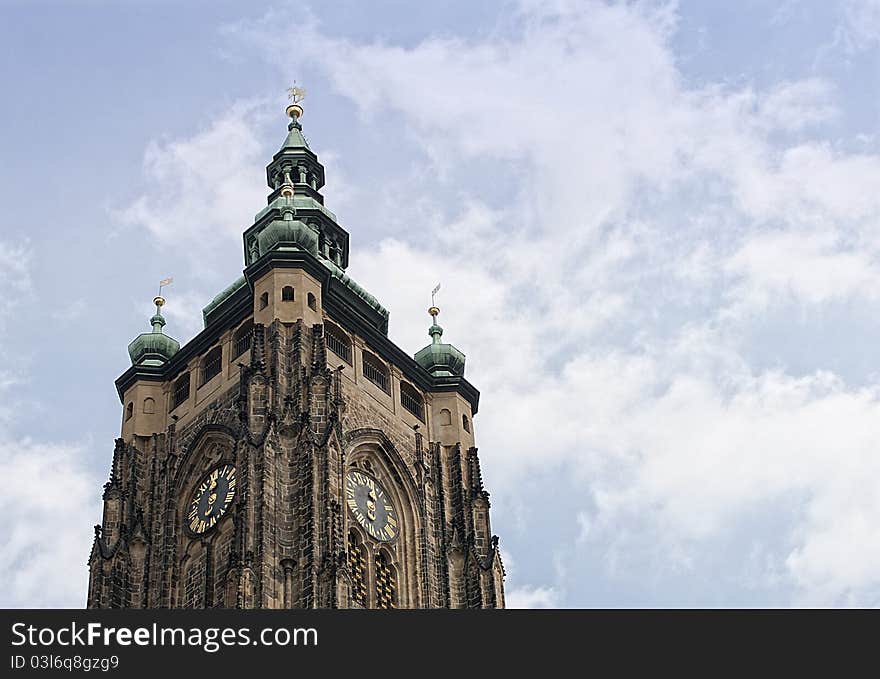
(212, 498)
(357, 569)
(295, 95)
(370, 506)
(215, 504)
(385, 584)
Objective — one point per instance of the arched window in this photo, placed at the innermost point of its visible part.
(211, 365)
(465, 424)
(357, 570)
(287, 293)
(129, 411)
(376, 371)
(412, 400)
(264, 300)
(337, 341)
(149, 406)
(386, 587)
(313, 303)
(445, 417)
(181, 391)
(241, 340)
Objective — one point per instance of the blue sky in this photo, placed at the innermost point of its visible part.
(657, 230)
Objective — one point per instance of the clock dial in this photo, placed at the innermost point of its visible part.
(370, 506)
(212, 499)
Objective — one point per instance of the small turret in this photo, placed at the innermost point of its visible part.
(154, 348)
(438, 358)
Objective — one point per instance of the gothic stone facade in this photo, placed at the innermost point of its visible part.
(292, 387)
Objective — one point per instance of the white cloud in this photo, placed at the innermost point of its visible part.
(860, 28)
(203, 191)
(49, 505)
(49, 501)
(794, 106)
(184, 313)
(807, 267)
(532, 597)
(72, 311)
(15, 277)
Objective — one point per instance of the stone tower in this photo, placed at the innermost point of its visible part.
(291, 455)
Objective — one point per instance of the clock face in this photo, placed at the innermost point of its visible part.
(212, 499)
(371, 507)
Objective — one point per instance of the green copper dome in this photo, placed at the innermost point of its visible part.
(153, 348)
(438, 358)
(287, 230)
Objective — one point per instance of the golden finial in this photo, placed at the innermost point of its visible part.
(295, 94)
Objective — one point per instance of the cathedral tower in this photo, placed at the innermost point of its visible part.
(291, 455)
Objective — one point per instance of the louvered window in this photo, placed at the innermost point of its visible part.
(412, 400)
(212, 364)
(241, 341)
(338, 342)
(375, 371)
(181, 391)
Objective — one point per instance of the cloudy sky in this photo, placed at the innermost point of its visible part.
(657, 226)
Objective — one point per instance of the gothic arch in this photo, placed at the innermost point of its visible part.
(219, 434)
(200, 557)
(377, 441)
(388, 466)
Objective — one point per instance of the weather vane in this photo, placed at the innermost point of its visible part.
(158, 300)
(296, 94)
(434, 310)
(294, 109)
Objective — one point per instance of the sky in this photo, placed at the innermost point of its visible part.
(656, 224)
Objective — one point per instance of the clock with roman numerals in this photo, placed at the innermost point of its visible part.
(370, 506)
(212, 499)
